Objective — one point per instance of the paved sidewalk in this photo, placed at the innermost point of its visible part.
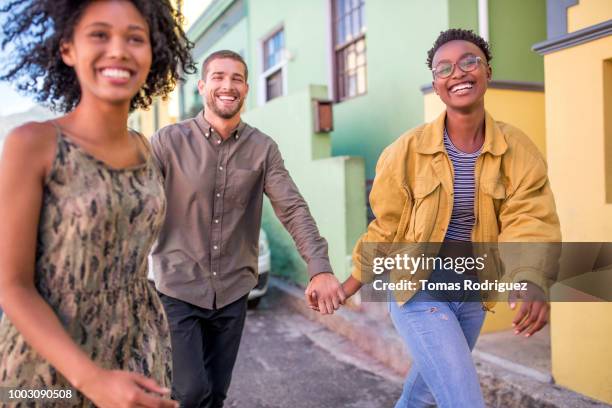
(286, 360)
(506, 382)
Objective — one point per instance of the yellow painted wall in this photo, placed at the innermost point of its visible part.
(525, 110)
(147, 119)
(575, 127)
(581, 333)
(587, 13)
(608, 128)
(580, 347)
(165, 113)
(146, 122)
(500, 320)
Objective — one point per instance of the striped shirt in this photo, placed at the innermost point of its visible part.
(462, 218)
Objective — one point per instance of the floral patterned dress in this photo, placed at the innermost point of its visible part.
(97, 225)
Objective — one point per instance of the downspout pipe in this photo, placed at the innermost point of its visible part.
(483, 19)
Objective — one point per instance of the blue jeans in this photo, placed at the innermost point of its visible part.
(440, 330)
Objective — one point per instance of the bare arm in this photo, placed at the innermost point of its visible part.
(24, 163)
(26, 159)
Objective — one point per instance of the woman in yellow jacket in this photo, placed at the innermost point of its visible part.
(464, 177)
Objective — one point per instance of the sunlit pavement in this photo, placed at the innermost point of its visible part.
(286, 361)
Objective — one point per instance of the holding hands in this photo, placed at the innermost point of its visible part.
(325, 294)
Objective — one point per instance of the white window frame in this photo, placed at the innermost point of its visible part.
(282, 66)
(330, 54)
(334, 83)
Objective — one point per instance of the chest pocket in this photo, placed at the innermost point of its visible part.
(496, 190)
(242, 185)
(426, 195)
(493, 198)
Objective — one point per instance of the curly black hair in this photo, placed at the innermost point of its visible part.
(453, 34)
(34, 29)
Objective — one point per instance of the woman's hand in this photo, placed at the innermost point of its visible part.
(123, 389)
(351, 286)
(534, 310)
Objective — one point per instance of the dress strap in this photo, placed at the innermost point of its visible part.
(58, 129)
(59, 135)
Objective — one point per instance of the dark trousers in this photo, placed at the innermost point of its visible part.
(204, 349)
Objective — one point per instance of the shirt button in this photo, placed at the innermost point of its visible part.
(218, 195)
(207, 134)
(218, 142)
(220, 167)
(215, 273)
(215, 247)
(216, 221)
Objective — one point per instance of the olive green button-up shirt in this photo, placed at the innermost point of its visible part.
(207, 251)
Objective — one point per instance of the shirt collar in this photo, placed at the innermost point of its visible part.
(209, 130)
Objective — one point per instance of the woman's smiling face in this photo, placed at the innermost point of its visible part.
(461, 90)
(110, 51)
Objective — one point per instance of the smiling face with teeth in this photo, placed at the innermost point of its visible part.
(224, 88)
(110, 52)
(462, 90)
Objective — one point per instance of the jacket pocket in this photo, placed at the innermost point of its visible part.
(495, 189)
(405, 217)
(493, 198)
(425, 210)
(497, 193)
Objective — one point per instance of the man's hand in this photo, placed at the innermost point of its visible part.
(533, 311)
(324, 293)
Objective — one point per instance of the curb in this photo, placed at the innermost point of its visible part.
(376, 338)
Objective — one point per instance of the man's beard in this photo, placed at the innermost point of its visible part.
(225, 113)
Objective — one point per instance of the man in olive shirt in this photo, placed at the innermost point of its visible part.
(216, 169)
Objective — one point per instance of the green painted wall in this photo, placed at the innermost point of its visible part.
(399, 33)
(305, 38)
(463, 14)
(332, 186)
(514, 26)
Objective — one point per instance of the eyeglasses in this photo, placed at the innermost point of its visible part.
(466, 64)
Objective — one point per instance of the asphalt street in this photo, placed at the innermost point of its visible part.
(287, 361)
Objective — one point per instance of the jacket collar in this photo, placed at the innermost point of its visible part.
(431, 139)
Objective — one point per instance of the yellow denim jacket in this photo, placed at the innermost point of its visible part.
(412, 196)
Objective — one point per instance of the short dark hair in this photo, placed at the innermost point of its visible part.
(221, 55)
(37, 28)
(453, 34)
